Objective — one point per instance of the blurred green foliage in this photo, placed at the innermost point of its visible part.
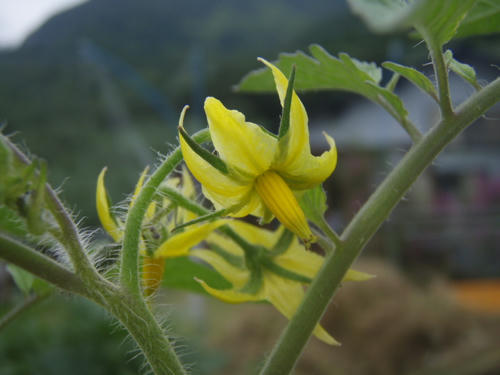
(65, 335)
(82, 114)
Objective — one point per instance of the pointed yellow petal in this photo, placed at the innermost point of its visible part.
(103, 209)
(188, 191)
(298, 132)
(247, 204)
(308, 170)
(152, 274)
(255, 234)
(227, 295)
(353, 275)
(236, 276)
(211, 178)
(286, 296)
(241, 144)
(139, 184)
(299, 260)
(179, 244)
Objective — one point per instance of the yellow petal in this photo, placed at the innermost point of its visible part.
(308, 170)
(353, 275)
(188, 191)
(236, 276)
(255, 234)
(247, 204)
(103, 209)
(211, 178)
(227, 295)
(286, 296)
(299, 260)
(152, 274)
(179, 244)
(241, 144)
(297, 138)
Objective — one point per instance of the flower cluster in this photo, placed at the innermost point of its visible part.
(253, 172)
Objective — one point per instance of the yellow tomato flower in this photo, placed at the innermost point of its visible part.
(153, 261)
(283, 288)
(262, 172)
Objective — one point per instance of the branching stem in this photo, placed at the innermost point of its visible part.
(364, 225)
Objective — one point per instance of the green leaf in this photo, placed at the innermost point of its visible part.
(437, 19)
(23, 279)
(11, 223)
(180, 273)
(465, 71)
(326, 72)
(414, 76)
(313, 203)
(482, 19)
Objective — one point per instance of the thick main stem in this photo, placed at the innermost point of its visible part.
(137, 318)
(365, 224)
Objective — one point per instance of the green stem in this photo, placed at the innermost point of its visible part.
(330, 233)
(441, 72)
(28, 303)
(138, 319)
(69, 236)
(21, 255)
(365, 224)
(129, 265)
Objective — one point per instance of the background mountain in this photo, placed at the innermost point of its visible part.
(103, 83)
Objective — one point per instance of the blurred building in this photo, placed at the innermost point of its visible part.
(451, 217)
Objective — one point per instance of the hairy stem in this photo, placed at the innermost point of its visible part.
(139, 321)
(69, 236)
(129, 265)
(365, 224)
(23, 256)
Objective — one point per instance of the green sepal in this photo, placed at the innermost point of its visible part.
(313, 203)
(232, 259)
(287, 104)
(283, 272)
(465, 71)
(283, 243)
(210, 158)
(201, 219)
(10, 222)
(253, 264)
(414, 76)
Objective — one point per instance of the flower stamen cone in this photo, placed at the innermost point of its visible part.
(279, 199)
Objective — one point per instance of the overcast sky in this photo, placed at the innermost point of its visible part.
(18, 18)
